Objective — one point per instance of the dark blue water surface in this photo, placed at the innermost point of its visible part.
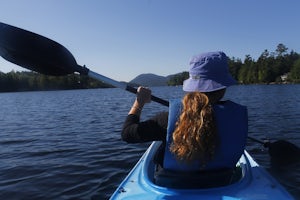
(66, 144)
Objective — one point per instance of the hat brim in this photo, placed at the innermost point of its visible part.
(206, 85)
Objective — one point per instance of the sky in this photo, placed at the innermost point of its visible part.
(122, 39)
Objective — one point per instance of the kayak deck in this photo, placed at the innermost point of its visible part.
(254, 183)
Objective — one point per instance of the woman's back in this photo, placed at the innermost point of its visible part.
(232, 128)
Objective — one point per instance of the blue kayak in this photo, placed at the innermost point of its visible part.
(248, 181)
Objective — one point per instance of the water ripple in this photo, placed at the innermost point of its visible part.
(67, 145)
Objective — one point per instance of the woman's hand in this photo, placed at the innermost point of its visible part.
(143, 96)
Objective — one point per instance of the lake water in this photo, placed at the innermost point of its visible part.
(66, 144)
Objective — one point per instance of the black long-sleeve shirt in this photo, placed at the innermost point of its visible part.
(154, 129)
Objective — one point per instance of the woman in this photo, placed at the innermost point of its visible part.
(200, 131)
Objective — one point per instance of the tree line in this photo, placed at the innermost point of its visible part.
(279, 66)
(270, 67)
(31, 81)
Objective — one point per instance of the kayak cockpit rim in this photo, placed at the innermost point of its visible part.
(149, 168)
(254, 183)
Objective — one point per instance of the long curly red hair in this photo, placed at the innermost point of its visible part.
(195, 135)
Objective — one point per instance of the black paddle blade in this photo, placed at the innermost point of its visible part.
(35, 52)
(283, 151)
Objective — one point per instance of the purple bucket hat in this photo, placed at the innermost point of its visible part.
(208, 72)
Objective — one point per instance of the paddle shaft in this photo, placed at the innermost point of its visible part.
(266, 144)
(123, 86)
(256, 140)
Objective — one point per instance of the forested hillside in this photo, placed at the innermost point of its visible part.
(279, 66)
(31, 81)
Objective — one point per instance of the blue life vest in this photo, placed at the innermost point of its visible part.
(232, 126)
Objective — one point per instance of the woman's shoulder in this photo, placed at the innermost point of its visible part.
(228, 103)
(161, 118)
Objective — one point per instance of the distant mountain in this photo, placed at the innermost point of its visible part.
(149, 80)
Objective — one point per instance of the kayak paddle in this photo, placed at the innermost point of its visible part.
(43, 55)
(280, 151)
